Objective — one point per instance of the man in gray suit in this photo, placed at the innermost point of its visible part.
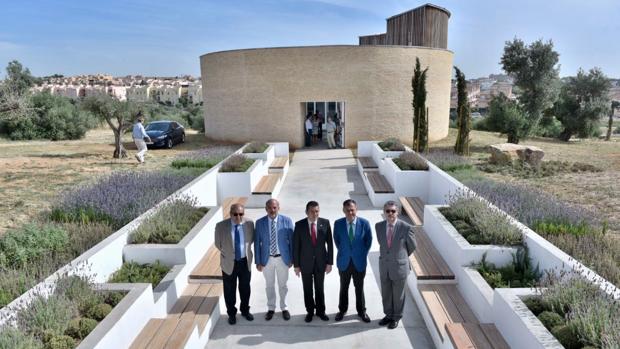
(234, 237)
(397, 242)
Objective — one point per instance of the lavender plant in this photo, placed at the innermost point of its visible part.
(410, 161)
(392, 144)
(237, 163)
(170, 224)
(119, 197)
(479, 223)
(134, 272)
(204, 158)
(447, 160)
(255, 147)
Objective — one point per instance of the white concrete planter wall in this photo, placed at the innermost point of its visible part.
(364, 148)
(406, 183)
(240, 183)
(267, 156)
(281, 148)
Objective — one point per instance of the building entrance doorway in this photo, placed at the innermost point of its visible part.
(319, 113)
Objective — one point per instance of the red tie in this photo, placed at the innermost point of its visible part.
(313, 234)
(390, 235)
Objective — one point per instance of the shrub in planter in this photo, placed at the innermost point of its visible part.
(12, 338)
(447, 160)
(550, 319)
(18, 248)
(79, 328)
(255, 147)
(391, 144)
(132, 272)
(120, 197)
(51, 315)
(60, 342)
(237, 163)
(565, 335)
(410, 161)
(534, 304)
(113, 297)
(479, 223)
(99, 311)
(170, 223)
(519, 273)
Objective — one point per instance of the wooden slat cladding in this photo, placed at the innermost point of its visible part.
(377, 39)
(425, 26)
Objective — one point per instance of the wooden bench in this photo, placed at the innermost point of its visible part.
(279, 162)
(453, 318)
(367, 162)
(378, 182)
(193, 308)
(426, 261)
(267, 184)
(209, 266)
(414, 208)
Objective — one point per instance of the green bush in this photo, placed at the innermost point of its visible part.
(113, 297)
(79, 291)
(79, 328)
(410, 161)
(237, 163)
(550, 319)
(99, 311)
(566, 336)
(82, 215)
(170, 223)
(521, 169)
(535, 305)
(392, 144)
(53, 117)
(132, 272)
(60, 342)
(11, 338)
(20, 247)
(255, 147)
(479, 223)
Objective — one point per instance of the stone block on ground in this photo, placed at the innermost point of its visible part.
(506, 153)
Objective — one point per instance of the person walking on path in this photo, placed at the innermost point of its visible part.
(273, 244)
(233, 238)
(330, 128)
(397, 243)
(313, 256)
(353, 238)
(139, 136)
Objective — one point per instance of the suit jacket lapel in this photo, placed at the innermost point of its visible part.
(228, 237)
(358, 230)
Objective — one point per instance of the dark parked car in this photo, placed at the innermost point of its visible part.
(165, 133)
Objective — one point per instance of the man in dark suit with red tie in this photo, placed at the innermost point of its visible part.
(313, 256)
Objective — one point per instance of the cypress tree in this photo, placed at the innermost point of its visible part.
(463, 118)
(420, 119)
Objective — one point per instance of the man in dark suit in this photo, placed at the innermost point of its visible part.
(353, 239)
(313, 256)
(397, 243)
(273, 245)
(233, 238)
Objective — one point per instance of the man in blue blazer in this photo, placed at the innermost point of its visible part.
(273, 244)
(353, 238)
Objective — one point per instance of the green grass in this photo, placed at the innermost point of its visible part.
(132, 272)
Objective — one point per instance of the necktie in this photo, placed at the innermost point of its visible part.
(237, 243)
(313, 234)
(272, 239)
(351, 234)
(390, 235)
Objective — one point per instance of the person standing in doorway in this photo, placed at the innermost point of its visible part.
(353, 238)
(397, 243)
(140, 138)
(273, 244)
(308, 127)
(233, 238)
(315, 128)
(313, 257)
(330, 127)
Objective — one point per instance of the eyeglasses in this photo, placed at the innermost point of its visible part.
(390, 211)
(238, 214)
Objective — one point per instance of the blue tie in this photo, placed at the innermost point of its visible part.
(237, 243)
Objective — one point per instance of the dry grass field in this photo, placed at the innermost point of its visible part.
(33, 173)
(599, 191)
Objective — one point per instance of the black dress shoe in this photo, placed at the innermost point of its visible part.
(308, 318)
(364, 317)
(385, 321)
(286, 315)
(232, 319)
(339, 316)
(269, 315)
(323, 317)
(393, 324)
(248, 316)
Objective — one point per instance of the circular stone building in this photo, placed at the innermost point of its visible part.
(265, 94)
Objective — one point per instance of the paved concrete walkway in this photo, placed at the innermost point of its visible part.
(329, 177)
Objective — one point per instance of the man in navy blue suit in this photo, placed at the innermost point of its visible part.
(273, 244)
(353, 238)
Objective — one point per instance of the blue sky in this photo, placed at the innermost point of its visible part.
(165, 38)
